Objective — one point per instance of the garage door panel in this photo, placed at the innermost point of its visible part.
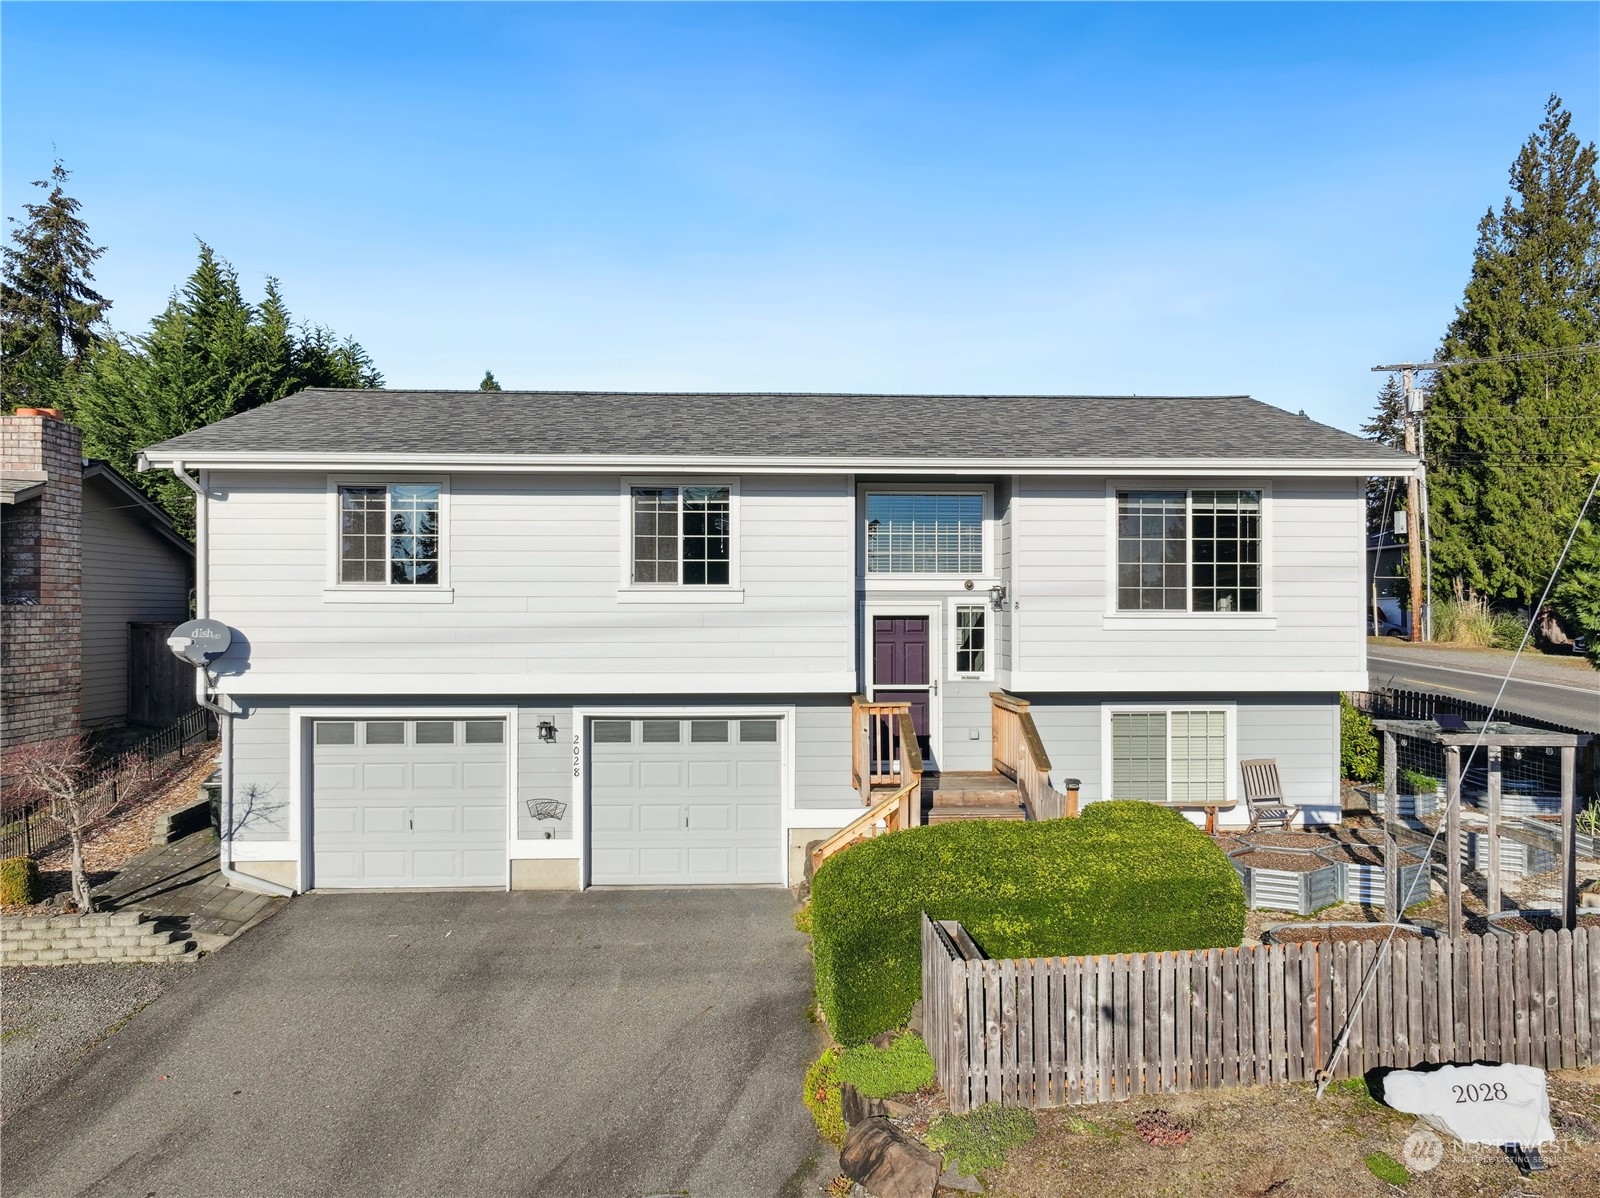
(335, 777)
(685, 810)
(614, 774)
(660, 862)
(710, 817)
(378, 820)
(766, 776)
(383, 776)
(435, 775)
(656, 817)
(404, 810)
(434, 819)
(757, 817)
(661, 775)
(483, 819)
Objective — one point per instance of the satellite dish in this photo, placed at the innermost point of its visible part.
(198, 641)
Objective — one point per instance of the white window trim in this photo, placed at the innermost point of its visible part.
(988, 577)
(629, 591)
(1230, 712)
(335, 591)
(989, 637)
(582, 755)
(1265, 620)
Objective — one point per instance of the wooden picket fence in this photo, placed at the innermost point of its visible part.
(1063, 1031)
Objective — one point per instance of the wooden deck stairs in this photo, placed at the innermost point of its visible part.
(970, 795)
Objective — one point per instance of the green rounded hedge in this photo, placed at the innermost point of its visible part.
(1124, 877)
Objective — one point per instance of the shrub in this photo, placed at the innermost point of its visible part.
(1464, 620)
(981, 1138)
(822, 1097)
(1415, 782)
(1358, 743)
(19, 882)
(902, 1068)
(1124, 877)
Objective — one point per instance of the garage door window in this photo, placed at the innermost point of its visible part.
(758, 732)
(613, 732)
(485, 732)
(436, 732)
(708, 732)
(661, 732)
(386, 732)
(330, 733)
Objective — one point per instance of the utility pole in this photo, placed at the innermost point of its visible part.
(1419, 546)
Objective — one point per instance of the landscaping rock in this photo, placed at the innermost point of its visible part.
(914, 1021)
(887, 1162)
(884, 1039)
(897, 1110)
(857, 1106)
(950, 1179)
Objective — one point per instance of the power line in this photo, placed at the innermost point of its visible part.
(1532, 355)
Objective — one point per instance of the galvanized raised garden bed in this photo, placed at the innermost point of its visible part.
(1295, 880)
(1362, 874)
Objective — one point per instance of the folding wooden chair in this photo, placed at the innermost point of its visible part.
(1263, 794)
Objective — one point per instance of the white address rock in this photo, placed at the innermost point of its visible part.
(1478, 1104)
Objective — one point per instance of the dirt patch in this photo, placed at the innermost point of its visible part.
(1290, 840)
(1294, 863)
(1321, 932)
(1354, 854)
(1284, 1142)
(1536, 921)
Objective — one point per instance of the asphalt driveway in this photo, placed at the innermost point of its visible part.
(609, 1043)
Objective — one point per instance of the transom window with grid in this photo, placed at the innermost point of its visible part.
(682, 536)
(1189, 551)
(1170, 757)
(909, 533)
(389, 535)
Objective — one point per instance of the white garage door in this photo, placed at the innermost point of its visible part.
(677, 802)
(409, 803)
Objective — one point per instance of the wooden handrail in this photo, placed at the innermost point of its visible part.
(1018, 752)
(901, 808)
(876, 742)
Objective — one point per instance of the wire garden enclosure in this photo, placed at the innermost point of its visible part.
(1513, 774)
(1063, 1031)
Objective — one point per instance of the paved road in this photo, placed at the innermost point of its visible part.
(620, 1043)
(1556, 691)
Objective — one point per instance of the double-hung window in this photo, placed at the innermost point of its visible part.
(1184, 551)
(1174, 756)
(682, 536)
(389, 535)
(910, 532)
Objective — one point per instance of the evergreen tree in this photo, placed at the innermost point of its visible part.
(489, 382)
(50, 317)
(209, 355)
(1512, 446)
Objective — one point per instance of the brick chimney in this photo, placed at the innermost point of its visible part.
(41, 617)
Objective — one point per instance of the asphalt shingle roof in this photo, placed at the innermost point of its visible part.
(654, 425)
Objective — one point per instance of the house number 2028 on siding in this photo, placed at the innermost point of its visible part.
(577, 754)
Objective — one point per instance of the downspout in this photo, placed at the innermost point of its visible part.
(202, 693)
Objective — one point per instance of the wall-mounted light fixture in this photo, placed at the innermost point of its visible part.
(997, 597)
(547, 731)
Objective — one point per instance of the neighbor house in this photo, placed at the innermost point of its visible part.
(567, 639)
(92, 575)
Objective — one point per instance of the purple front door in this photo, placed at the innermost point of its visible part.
(900, 667)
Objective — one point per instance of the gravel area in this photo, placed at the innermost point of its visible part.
(1290, 840)
(1536, 921)
(52, 1015)
(1314, 932)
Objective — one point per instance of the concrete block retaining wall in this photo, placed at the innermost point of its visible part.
(84, 939)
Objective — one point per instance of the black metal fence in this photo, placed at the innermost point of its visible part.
(24, 830)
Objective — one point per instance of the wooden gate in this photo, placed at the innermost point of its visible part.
(160, 687)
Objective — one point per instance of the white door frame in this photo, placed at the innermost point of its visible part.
(582, 754)
(933, 610)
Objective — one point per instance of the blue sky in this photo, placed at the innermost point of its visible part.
(1034, 198)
